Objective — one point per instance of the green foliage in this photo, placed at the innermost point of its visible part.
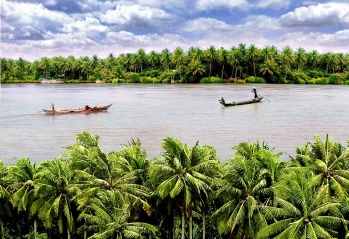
(256, 79)
(72, 81)
(132, 78)
(297, 77)
(336, 79)
(240, 81)
(320, 81)
(212, 79)
(116, 80)
(147, 79)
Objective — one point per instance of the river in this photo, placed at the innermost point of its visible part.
(289, 116)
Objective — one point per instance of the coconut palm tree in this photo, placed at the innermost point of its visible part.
(109, 216)
(5, 196)
(54, 189)
(287, 58)
(98, 171)
(300, 58)
(184, 173)
(211, 54)
(178, 59)
(245, 186)
(330, 163)
(165, 58)
(252, 54)
(23, 195)
(300, 211)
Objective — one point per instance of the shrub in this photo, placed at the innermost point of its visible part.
(320, 81)
(147, 79)
(336, 79)
(312, 81)
(240, 81)
(115, 81)
(133, 78)
(256, 79)
(212, 79)
(346, 82)
(72, 81)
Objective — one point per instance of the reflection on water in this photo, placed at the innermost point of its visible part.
(152, 112)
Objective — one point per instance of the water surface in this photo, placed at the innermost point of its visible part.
(291, 117)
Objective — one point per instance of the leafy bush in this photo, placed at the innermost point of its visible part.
(256, 79)
(320, 81)
(240, 81)
(133, 78)
(212, 79)
(147, 79)
(312, 81)
(297, 77)
(336, 79)
(346, 82)
(115, 81)
(72, 81)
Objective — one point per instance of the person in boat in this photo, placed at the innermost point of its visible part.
(87, 107)
(222, 100)
(255, 92)
(53, 106)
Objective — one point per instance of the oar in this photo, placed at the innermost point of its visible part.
(265, 98)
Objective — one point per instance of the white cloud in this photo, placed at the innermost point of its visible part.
(205, 5)
(273, 4)
(314, 40)
(321, 15)
(206, 25)
(90, 25)
(137, 16)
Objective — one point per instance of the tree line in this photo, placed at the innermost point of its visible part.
(185, 192)
(238, 64)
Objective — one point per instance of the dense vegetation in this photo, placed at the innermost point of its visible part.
(186, 192)
(239, 64)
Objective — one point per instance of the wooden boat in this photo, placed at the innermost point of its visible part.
(97, 108)
(48, 81)
(244, 102)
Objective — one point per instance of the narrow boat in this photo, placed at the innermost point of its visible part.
(85, 110)
(244, 102)
(48, 81)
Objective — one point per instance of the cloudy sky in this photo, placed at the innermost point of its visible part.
(32, 29)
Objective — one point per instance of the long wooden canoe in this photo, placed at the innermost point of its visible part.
(244, 102)
(97, 108)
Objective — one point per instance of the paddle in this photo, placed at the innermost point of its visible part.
(265, 98)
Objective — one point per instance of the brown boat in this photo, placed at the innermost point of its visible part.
(85, 110)
(244, 102)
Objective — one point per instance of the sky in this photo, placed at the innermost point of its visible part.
(33, 29)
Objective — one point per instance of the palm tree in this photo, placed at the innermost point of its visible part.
(211, 54)
(299, 210)
(196, 68)
(153, 59)
(330, 163)
(109, 216)
(253, 54)
(178, 59)
(245, 186)
(300, 58)
(5, 206)
(45, 64)
(165, 58)
(269, 68)
(54, 188)
(287, 58)
(222, 58)
(142, 58)
(98, 171)
(23, 173)
(185, 172)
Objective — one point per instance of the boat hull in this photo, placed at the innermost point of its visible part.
(77, 110)
(244, 102)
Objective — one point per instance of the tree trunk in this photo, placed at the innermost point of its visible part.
(190, 222)
(183, 220)
(222, 72)
(209, 75)
(203, 224)
(174, 225)
(2, 229)
(35, 226)
(68, 233)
